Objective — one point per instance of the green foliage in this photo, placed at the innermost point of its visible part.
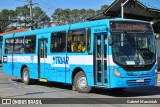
(67, 16)
(40, 19)
(20, 17)
(6, 17)
(103, 7)
(23, 16)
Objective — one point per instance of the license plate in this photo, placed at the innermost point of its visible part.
(142, 80)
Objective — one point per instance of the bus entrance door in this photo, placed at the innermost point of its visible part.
(100, 59)
(42, 56)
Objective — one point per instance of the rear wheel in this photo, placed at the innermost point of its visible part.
(25, 76)
(80, 83)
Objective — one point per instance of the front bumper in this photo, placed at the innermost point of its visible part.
(116, 82)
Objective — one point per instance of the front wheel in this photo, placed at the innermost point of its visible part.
(25, 76)
(80, 83)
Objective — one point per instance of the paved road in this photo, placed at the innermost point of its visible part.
(11, 87)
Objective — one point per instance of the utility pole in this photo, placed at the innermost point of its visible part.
(31, 12)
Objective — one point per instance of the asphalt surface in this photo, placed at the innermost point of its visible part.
(12, 87)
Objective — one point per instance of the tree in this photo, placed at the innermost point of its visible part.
(90, 13)
(68, 16)
(20, 17)
(6, 17)
(40, 19)
(103, 7)
(58, 16)
(23, 16)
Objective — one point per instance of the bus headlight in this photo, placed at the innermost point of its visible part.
(155, 71)
(116, 72)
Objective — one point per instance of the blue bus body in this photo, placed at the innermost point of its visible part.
(62, 66)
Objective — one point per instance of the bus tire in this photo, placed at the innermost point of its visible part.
(25, 76)
(80, 83)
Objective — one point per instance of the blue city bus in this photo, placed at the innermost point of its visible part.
(113, 53)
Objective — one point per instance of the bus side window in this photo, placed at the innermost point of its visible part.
(58, 42)
(30, 44)
(9, 46)
(19, 45)
(77, 40)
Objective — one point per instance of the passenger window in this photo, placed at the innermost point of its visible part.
(30, 44)
(19, 45)
(58, 42)
(77, 40)
(9, 46)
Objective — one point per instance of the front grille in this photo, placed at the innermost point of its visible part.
(137, 75)
(134, 83)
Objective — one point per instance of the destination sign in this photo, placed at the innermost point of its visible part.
(129, 26)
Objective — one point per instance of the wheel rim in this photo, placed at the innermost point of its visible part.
(25, 76)
(82, 82)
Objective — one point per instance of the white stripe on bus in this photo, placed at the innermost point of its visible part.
(75, 60)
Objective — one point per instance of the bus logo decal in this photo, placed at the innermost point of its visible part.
(60, 61)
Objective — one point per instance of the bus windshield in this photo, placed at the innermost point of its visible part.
(133, 48)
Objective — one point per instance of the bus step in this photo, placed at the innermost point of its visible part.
(42, 80)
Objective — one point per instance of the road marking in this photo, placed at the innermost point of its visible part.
(7, 89)
(10, 80)
(15, 84)
(13, 88)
